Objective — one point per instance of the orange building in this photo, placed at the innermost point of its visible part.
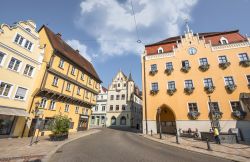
(180, 73)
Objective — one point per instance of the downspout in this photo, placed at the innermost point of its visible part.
(145, 96)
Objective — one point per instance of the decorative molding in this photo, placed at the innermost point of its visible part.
(230, 46)
(160, 56)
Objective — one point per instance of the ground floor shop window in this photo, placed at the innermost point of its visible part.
(6, 122)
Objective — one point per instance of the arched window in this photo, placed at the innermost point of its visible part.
(160, 50)
(113, 120)
(123, 120)
(223, 40)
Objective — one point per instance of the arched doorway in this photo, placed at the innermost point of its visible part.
(113, 120)
(167, 119)
(123, 120)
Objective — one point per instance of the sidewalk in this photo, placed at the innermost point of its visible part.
(235, 152)
(18, 149)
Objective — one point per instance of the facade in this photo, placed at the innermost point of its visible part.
(20, 61)
(180, 73)
(98, 116)
(124, 103)
(67, 85)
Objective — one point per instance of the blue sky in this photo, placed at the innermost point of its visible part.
(104, 30)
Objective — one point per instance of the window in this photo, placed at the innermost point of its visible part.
(154, 86)
(243, 57)
(154, 67)
(171, 85)
(192, 107)
(117, 97)
(78, 91)
(215, 106)
(82, 76)
(20, 93)
(236, 106)
(28, 70)
(223, 40)
(14, 64)
(1, 58)
(61, 63)
(55, 81)
(28, 45)
(123, 107)
(123, 96)
(185, 63)
(124, 85)
(43, 103)
(19, 39)
(160, 50)
(66, 109)
(68, 87)
(169, 65)
(189, 84)
(117, 107)
(111, 108)
(112, 97)
(103, 108)
(90, 81)
(93, 120)
(5, 89)
(229, 80)
(77, 110)
(118, 84)
(87, 94)
(96, 108)
(208, 82)
(203, 61)
(73, 70)
(222, 59)
(52, 105)
(248, 79)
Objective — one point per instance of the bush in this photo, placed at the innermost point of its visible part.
(60, 125)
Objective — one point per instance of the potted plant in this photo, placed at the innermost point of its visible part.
(153, 72)
(245, 63)
(189, 90)
(168, 71)
(239, 114)
(59, 128)
(231, 87)
(209, 89)
(185, 69)
(153, 92)
(224, 65)
(193, 115)
(204, 67)
(171, 91)
(215, 115)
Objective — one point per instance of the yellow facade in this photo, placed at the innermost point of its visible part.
(73, 93)
(175, 107)
(20, 62)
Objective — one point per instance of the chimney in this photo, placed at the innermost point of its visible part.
(59, 35)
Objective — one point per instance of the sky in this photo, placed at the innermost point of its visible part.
(105, 32)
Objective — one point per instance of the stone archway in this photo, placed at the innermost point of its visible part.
(167, 118)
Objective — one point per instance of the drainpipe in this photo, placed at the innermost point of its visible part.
(145, 96)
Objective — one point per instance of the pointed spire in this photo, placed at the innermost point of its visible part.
(187, 26)
(130, 77)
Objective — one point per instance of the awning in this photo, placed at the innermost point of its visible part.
(13, 111)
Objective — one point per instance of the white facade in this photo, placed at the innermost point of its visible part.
(124, 108)
(98, 117)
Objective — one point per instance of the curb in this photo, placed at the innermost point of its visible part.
(197, 150)
(48, 156)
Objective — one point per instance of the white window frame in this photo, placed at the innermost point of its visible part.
(32, 74)
(61, 63)
(22, 44)
(41, 103)
(208, 108)
(10, 91)
(73, 70)
(223, 39)
(24, 96)
(55, 81)
(231, 77)
(52, 105)
(68, 87)
(171, 81)
(66, 108)
(242, 107)
(192, 83)
(4, 58)
(227, 60)
(77, 110)
(82, 76)
(198, 110)
(160, 50)
(20, 65)
(242, 54)
(78, 90)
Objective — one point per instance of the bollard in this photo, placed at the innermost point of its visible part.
(151, 133)
(208, 145)
(177, 138)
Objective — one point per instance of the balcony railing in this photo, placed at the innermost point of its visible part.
(189, 90)
(169, 70)
(231, 87)
(224, 65)
(185, 69)
(153, 72)
(209, 89)
(154, 91)
(204, 67)
(171, 91)
(193, 115)
(245, 63)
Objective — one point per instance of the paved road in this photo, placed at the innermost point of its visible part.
(121, 146)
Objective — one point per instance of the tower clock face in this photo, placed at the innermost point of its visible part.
(192, 51)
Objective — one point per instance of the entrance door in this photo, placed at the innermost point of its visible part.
(98, 120)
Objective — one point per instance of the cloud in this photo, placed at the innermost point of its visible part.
(111, 23)
(76, 44)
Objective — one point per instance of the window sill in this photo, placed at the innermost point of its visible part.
(7, 97)
(23, 100)
(28, 76)
(23, 47)
(68, 90)
(55, 86)
(52, 109)
(13, 71)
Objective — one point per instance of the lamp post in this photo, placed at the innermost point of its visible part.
(159, 120)
(214, 120)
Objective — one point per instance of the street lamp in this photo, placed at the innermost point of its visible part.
(159, 120)
(214, 119)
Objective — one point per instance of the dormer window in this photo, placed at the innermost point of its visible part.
(160, 50)
(223, 40)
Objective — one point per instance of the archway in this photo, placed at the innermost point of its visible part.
(113, 120)
(167, 119)
(123, 120)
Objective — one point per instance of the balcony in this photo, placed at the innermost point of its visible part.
(189, 90)
(168, 71)
(216, 115)
(171, 91)
(245, 63)
(153, 72)
(193, 115)
(185, 69)
(224, 65)
(154, 91)
(239, 114)
(231, 87)
(204, 67)
(209, 89)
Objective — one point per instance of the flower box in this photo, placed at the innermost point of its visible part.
(168, 71)
(245, 63)
(185, 69)
(209, 89)
(193, 115)
(239, 114)
(171, 91)
(189, 90)
(215, 115)
(224, 65)
(231, 87)
(153, 92)
(204, 67)
(153, 72)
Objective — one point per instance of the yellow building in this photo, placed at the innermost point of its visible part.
(180, 73)
(67, 85)
(20, 61)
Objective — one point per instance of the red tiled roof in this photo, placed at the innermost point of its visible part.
(63, 48)
(104, 89)
(167, 44)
